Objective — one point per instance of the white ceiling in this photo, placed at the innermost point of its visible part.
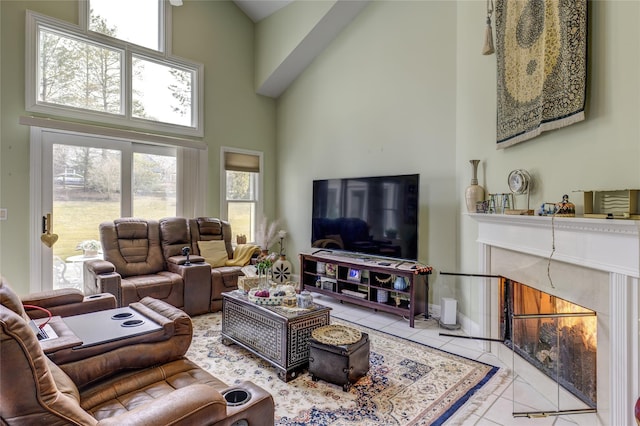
(260, 9)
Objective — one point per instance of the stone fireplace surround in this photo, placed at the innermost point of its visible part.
(596, 264)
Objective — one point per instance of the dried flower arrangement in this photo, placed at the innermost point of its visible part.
(266, 233)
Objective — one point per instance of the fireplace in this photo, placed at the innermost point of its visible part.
(593, 265)
(557, 337)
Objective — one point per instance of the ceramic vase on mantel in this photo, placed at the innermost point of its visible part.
(474, 192)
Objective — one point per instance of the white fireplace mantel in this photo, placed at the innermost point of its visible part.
(608, 245)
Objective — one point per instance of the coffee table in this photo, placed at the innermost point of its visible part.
(277, 334)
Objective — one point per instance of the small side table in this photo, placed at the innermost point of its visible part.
(338, 355)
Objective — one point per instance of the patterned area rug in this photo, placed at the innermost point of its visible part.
(407, 383)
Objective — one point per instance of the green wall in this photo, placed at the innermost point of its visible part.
(216, 34)
(379, 100)
(405, 89)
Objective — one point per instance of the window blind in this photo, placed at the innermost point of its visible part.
(239, 162)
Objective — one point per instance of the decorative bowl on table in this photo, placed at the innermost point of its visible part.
(270, 298)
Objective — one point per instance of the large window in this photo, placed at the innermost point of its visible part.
(88, 72)
(241, 183)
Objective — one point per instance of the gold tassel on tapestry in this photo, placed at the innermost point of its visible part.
(488, 49)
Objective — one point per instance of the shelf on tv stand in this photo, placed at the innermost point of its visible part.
(407, 303)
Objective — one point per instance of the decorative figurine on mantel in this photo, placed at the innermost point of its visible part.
(565, 208)
(546, 209)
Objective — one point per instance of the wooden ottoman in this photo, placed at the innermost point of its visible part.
(338, 355)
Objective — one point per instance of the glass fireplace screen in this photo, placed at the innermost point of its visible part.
(556, 336)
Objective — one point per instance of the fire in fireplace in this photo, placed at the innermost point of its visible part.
(554, 335)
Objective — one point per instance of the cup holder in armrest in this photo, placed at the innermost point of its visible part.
(235, 397)
(121, 316)
(132, 323)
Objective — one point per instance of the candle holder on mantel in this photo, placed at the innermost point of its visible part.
(474, 192)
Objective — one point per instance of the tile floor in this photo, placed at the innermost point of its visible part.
(491, 409)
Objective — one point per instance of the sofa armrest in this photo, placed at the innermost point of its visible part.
(66, 302)
(223, 279)
(51, 298)
(259, 410)
(194, 404)
(197, 285)
(100, 276)
(181, 260)
(99, 266)
(111, 283)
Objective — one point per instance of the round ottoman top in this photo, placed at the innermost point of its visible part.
(335, 334)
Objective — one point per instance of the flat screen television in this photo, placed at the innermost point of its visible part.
(374, 215)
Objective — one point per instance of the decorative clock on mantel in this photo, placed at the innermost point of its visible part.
(519, 181)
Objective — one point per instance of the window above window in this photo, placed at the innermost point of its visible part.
(82, 75)
(140, 22)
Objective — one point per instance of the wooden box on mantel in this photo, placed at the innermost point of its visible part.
(616, 204)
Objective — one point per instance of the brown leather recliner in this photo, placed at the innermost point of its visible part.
(134, 266)
(223, 278)
(162, 388)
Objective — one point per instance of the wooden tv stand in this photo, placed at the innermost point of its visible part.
(359, 278)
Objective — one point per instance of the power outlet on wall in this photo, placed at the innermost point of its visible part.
(3, 214)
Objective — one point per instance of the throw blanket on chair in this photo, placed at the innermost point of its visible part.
(541, 51)
(242, 254)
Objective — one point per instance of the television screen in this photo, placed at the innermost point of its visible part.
(373, 215)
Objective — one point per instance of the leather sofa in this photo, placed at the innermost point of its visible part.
(142, 381)
(144, 257)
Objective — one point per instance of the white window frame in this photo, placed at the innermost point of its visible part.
(224, 205)
(33, 23)
(191, 187)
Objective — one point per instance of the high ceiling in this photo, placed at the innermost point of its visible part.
(319, 35)
(260, 9)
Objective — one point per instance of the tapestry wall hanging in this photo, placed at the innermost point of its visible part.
(541, 52)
